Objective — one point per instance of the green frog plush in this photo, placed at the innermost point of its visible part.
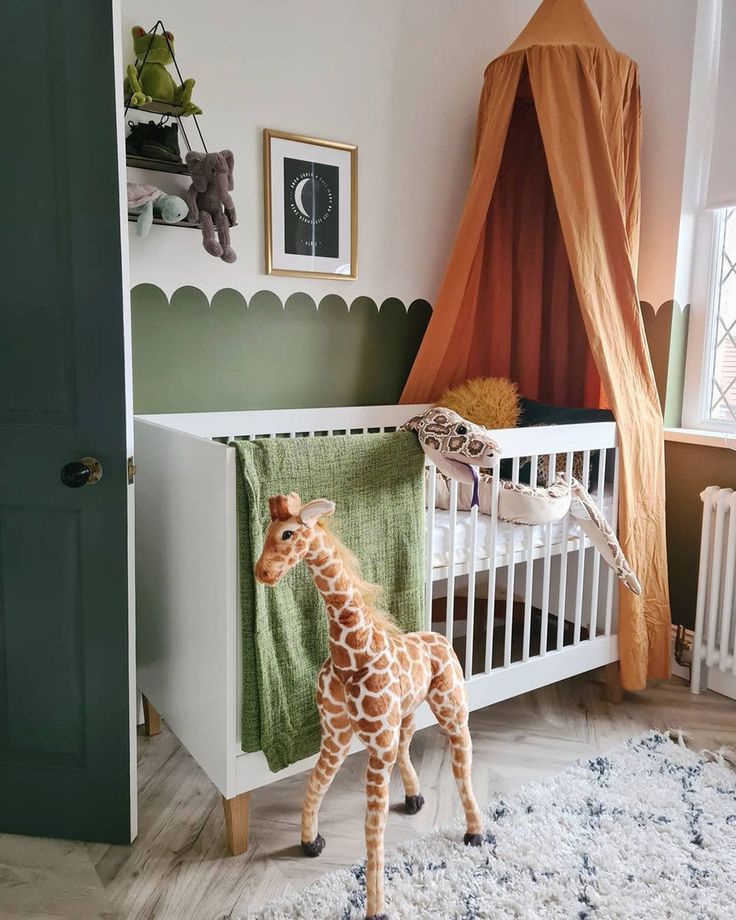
(153, 82)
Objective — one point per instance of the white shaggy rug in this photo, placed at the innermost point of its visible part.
(645, 831)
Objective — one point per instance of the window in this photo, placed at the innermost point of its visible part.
(720, 380)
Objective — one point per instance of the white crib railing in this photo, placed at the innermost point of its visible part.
(523, 606)
(538, 574)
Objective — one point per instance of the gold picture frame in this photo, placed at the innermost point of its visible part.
(284, 209)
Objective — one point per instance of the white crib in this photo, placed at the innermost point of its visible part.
(552, 605)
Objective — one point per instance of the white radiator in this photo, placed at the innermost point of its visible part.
(714, 645)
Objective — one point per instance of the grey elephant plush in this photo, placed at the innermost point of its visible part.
(209, 200)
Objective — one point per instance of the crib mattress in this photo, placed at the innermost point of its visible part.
(505, 533)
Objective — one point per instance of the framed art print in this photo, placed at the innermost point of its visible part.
(311, 207)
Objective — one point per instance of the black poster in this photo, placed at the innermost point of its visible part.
(311, 209)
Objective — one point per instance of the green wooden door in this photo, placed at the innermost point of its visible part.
(64, 680)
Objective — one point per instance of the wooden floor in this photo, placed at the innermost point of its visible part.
(178, 869)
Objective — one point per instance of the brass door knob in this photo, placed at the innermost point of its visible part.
(84, 472)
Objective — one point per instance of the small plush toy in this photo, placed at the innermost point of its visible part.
(153, 82)
(210, 204)
(148, 201)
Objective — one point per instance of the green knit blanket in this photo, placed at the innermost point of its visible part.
(376, 481)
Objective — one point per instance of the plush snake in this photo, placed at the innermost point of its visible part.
(464, 451)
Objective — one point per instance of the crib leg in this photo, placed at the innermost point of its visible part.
(151, 718)
(614, 690)
(237, 816)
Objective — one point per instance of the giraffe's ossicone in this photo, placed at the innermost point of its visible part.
(371, 684)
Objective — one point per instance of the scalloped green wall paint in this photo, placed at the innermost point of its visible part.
(190, 355)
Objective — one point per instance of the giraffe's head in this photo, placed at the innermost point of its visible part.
(290, 535)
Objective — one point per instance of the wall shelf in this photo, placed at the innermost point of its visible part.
(188, 224)
(157, 108)
(156, 165)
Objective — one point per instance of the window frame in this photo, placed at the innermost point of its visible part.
(704, 307)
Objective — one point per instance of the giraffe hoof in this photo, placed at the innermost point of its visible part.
(378, 917)
(413, 803)
(314, 847)
(473, 840)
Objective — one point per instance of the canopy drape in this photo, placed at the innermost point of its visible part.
(586, 100)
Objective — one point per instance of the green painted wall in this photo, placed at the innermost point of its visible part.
(193, 355)
(666, 331)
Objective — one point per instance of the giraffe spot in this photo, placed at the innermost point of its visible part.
(381, 663)
(330, 706)
(331, 570)
(385, 739)
(349, 618)
(340, 657)
(378, 641)
(368, 727)
(418, 674)
(375, 706)
(374, 683)
(356, 638)
(343, 738)
(321, 583)
(336, 600)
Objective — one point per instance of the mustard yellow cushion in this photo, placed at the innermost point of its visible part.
(489, 401)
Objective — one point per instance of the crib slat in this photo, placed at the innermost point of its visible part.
(581, 561)
(470, 615)
(450, 608)
(510, 557)
(547, 564)
(431, 474)
(595, 582)
(562, 600)
(530, 534)
(528, 592)
(614, 525)
(492, 536)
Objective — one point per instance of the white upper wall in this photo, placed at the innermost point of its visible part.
(401, 79)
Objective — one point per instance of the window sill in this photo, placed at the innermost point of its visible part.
(701, 436)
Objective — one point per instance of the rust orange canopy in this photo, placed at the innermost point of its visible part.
(541, 282)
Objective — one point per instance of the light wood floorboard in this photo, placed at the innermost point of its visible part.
(178, 868)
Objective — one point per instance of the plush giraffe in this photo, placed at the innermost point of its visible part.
(370, 686)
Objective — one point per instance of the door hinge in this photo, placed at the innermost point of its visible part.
(131, 471)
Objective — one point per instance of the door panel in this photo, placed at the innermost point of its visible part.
(38, 549)
(64, 644)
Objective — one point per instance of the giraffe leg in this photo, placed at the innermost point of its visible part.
(446, 698)
(377, 779)
(331, 756)
(413, 797)
(462, 759)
